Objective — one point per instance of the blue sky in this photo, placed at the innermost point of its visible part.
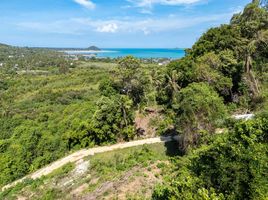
(111, 23)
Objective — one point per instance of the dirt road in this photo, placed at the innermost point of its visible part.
(79, 155)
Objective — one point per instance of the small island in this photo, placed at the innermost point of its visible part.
(93, 48)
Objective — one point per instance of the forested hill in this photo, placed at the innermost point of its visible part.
(3, 45)
(93, 48)
(233, 60)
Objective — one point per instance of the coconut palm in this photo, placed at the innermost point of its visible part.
(172, 83)
(261, 38)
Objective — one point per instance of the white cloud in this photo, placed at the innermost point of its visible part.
(150, 3)
(146, 31)
(108, 28)
(86, 3)
(84, 26)
(147, 5)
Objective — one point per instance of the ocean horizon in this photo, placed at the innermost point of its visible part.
(136, 52)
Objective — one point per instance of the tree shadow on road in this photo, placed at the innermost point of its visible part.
(172, 149)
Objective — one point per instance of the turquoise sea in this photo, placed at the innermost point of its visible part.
(139, 53)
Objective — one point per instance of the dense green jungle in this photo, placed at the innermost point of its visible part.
(52, 105)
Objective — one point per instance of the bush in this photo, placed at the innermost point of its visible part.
(233, 166)
(198, 108)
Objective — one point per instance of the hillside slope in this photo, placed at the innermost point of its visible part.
(129, 173)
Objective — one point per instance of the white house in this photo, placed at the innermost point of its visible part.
(243, 117)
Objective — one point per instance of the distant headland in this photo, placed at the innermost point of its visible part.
(93, 48)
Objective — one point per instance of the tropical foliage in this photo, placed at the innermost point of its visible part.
(51, 104)
(232, 59)
(231, 166)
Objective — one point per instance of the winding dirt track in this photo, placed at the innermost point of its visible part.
(79, 155)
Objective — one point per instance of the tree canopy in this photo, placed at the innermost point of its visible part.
(232, 166)
(198, 108)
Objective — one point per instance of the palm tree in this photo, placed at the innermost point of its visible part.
(253, 83)
(263, 37)
(172, 83)
(256, 1)
(125, 105)
(261, 2)
(260, 38)
(155, 82)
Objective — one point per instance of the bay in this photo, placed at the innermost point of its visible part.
(137, 52)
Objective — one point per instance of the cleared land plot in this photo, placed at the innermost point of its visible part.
(129, 173)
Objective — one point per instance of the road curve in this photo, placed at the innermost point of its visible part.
(74, 157)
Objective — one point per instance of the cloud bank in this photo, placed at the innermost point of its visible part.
(86, 3)
(83, 26)
(146, 6)
(107, 28)
(149, 3)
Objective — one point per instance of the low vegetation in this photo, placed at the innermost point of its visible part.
(127, 173)
(39, 112)
(51, 104)
(229, 166)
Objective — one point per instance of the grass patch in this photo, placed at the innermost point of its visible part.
(61, 172)
(112, 165)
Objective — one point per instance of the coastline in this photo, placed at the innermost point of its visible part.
(86, 51)
(144, 53)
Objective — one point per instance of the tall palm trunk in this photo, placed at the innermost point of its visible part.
(253, 83)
